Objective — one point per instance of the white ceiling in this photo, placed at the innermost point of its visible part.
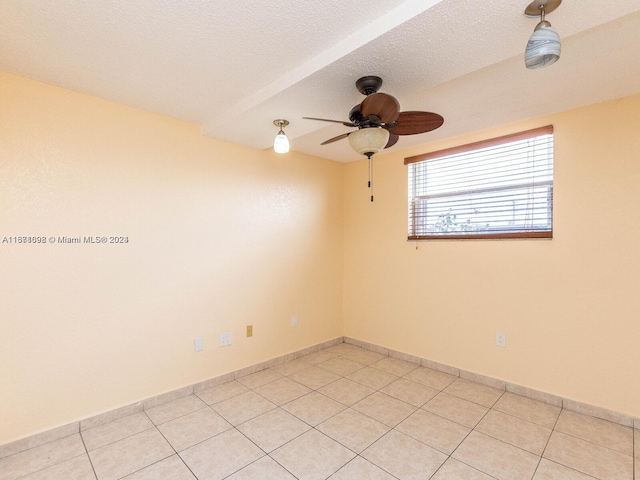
(233, 66)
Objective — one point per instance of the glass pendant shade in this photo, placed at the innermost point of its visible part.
(369, 140)
(281, 143)
(543, 48)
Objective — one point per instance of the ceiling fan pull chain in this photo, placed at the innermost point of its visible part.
(371, 176)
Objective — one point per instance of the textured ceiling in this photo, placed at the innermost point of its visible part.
(233, 66)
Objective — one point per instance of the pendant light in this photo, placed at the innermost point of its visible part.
(281, 142)
(544, 45)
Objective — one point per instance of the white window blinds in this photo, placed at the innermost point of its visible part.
(497, 188)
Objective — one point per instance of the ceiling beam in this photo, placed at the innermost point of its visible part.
(387, 22)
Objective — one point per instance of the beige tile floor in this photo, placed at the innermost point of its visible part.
(341, 413)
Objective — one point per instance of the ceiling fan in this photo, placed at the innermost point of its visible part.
(382, 112)
(379, 122)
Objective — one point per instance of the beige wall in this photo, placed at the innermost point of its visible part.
(569, 306)
(220, 236)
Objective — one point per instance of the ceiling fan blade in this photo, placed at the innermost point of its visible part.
(412, 123)
(335, 139)
(393, 139)
(382, 106)
(346, 124)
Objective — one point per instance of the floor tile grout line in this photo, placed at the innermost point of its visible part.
(149, 465)
(594, 443)
(53, 465)
(472, 401)
(457, 423)
(40, 445)
(199, 441)
(512, 414)
(497, 440)
(285, 468)
(319, 393)
(522, 419)
(266, 454)
(232, 427)
(311, 427)
(378, 466)
(547, 443)
(181, 416)
(224, 399)
(453, 421)
(187, 466)
(123, 438)
(508, 443)
(349, 448)
(175, 452)
(278, 407)
(364, 459)
(431, 446)
(467, 436)
(379, 439)
(464, 463)
(95, 474)
(448, 455)
(58, 463)
(588, 475)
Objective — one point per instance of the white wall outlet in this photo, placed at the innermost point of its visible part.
(198, 344)
(501, 339)
(294, 320)
(225, 339)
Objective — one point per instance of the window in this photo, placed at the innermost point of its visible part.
(497, 188)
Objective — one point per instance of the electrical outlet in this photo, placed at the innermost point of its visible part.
(249, 330)
(294, 320)
(198, 344)
(225, 339)
(501, 339)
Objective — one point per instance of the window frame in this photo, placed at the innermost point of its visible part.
(496, 141)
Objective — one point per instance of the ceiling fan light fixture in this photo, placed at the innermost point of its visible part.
(281, 142)
(369, 141)
(544, 45)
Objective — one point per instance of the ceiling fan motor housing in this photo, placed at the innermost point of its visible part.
(355, 115)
